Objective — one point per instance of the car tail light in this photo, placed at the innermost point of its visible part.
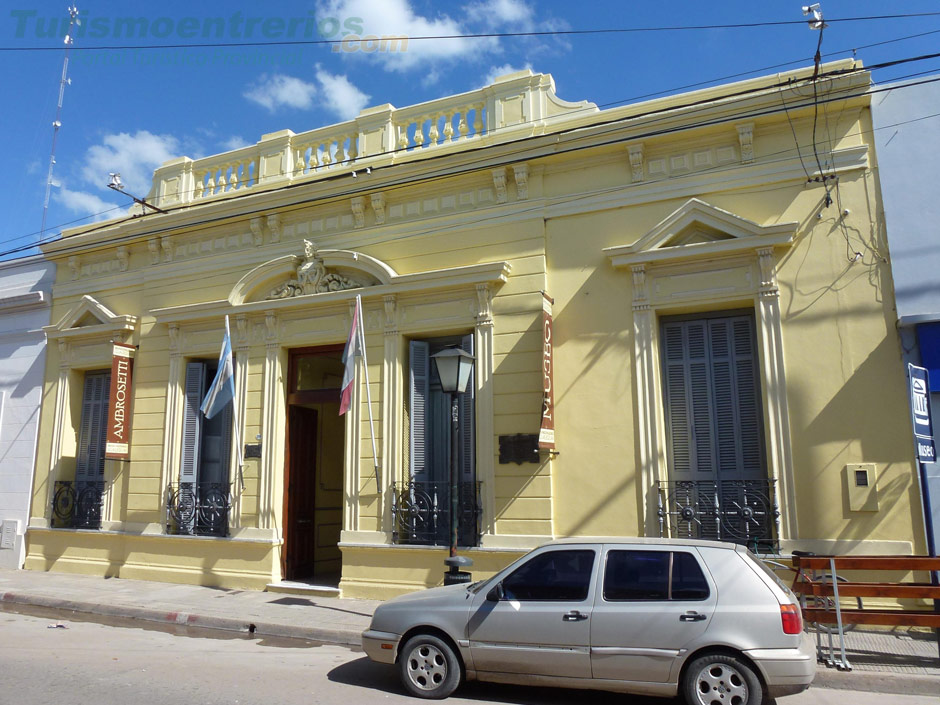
(791, 618)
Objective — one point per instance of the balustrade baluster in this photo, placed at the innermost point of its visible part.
(210, 185)
(325, 158)
(403, 136)
(300, 160)
(233, 182)
(198, 184)
(223, 182)
(462, 125)
(478, 119)
(419, 131)
(340, 150)
(448, 126)
(353, 147)
(434, 134)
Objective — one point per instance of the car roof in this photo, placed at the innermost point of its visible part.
(647, 540)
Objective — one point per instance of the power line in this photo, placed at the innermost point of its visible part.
(604, 105)
(651, 118)
(484, 35)
(406, 182)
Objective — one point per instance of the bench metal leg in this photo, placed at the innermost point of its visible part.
(843, 664)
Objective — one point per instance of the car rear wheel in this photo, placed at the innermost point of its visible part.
(720, 679)
(429, 668)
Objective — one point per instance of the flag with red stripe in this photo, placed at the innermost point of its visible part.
(352, 351)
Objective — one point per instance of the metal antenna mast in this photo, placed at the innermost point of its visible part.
(63, 82)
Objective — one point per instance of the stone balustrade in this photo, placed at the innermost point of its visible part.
(514, 106)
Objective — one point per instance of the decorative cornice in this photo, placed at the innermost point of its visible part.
(520, 173)
(768, 272)
(241, 325)
(274, 227)
(640, 292)
(378, 207)
(484, 304)
(270, 328)
(636, 161)
(358, 206)
(499, 184)
(19, 302)
(746, 140)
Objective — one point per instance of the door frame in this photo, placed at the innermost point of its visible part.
(299, 398)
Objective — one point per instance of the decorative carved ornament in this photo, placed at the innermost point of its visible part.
(746, 140)
(499, 183)
(636, 161)
(520, 174)
(313, 277)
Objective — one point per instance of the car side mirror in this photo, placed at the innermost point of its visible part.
(495, 594)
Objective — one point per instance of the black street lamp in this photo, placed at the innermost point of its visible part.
(453, 367)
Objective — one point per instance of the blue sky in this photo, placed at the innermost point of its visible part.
(129, 109)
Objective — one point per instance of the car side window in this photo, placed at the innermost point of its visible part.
(688, 582)
(557, 576)
(653, 575)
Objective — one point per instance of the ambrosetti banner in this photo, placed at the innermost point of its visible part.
(547, 429)
(119, 402)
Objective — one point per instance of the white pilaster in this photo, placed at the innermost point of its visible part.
(58, 427)
(352, 452)
(269, 428)
(486, 448)
(392, 389)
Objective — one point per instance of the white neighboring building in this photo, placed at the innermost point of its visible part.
(25, 287)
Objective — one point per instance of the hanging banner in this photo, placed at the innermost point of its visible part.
(547, 429)
(920, 414)
(117, 446)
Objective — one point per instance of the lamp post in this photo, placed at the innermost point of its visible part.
(453, 367)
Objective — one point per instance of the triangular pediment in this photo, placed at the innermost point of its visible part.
(90, 316)
(313, 273)
(698, 228)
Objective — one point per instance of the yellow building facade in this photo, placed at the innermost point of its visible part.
(723, 356)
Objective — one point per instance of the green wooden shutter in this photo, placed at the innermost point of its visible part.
(194, 393)
(89, 461)
(713, 409)
(466, 414)
(419, 383)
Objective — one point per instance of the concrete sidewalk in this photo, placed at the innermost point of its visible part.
(882, 662)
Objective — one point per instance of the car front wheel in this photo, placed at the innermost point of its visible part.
(429, 667)
(720, 679)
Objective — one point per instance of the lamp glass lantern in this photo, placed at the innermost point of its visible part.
(453, 367)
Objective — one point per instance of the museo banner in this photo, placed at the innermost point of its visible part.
(547, 429)
(117, 446)
(920, 414)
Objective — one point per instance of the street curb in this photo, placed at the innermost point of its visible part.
(876, 682)
(338, 637)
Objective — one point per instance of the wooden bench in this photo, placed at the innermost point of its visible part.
(820, 583)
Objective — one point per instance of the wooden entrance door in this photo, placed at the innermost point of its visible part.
(301, 498)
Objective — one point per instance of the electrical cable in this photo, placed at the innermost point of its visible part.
(485, 35)
(609, 104)
(299, 205)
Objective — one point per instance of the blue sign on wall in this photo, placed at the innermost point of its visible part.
(920, 414)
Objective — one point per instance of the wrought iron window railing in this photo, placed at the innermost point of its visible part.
(197, 508)
(77, 505)
(421, 512)
(739, 511)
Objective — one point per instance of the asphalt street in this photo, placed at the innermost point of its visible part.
(46, 659)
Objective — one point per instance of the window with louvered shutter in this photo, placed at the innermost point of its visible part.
(419, 365)
(193, 394)
(713, 410)
(89, 461)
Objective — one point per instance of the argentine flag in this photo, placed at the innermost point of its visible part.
(222, 389)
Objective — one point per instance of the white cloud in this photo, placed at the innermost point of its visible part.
(275, 90)
(133, 156)
(398, 18)
(85, 203)
(499, 13)
(235, 142)
(497, 71)
(341, 97)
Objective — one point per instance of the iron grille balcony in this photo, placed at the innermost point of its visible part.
(197, 508)
(739, 511)
(421, 512)
(77, 505)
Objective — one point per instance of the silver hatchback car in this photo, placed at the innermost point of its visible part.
(647, 616)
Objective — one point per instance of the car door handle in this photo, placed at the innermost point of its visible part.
(692, 617)
(573, 616)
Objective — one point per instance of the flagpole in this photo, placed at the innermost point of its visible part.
(237, 422)
(365, 365)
